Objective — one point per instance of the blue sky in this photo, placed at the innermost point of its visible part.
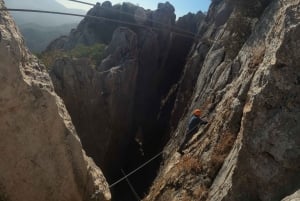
(182, 6)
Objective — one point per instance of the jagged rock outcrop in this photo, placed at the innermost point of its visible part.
(153, 51)
(100, 24)
(101, 101)
(41, 155)
(103, 19)
(248, 86)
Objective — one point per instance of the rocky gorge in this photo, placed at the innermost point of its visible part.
(116, 105)
(239, 63)
(248, 86)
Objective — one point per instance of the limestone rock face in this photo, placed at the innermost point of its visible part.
(121, 98)
(101, 101)
(248, 87)
(97, 29)
(103, 19)
(41, 155)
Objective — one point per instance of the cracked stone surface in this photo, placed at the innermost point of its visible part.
(248, 87)
(41, 154)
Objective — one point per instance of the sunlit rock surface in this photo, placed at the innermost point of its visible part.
(41, 154)
(247, 83)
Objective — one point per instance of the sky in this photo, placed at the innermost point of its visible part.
(182, 7)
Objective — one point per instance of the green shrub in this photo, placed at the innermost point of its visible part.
(49, 58)
(95, 53)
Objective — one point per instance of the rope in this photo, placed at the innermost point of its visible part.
(140, 167)
(184, 33)
(72, 14)
(131, 187)
(134, 171)
(82, 2)
(136, 16)
(110, 20)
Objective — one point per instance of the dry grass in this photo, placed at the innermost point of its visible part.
(174, 179)
(187, 178)
(257, 56)
(200, 193)
(220, 152)
(188, 164)
(189, 167)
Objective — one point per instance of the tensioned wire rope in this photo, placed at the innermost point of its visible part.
(172, 29)
(83, 2)
(180, 31)
(111, 20)
(183, 32)
(137, 16)
(156, 156)
(144, 164)
(195, 38)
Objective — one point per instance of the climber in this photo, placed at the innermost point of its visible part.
(193, 127)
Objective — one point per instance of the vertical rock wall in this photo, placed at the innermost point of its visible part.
(266, 154)
(248, 87)
(121, 98)
(101, 101)
(41, 155)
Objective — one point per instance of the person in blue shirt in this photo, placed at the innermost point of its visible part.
(193, 126)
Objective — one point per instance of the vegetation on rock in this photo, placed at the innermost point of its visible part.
(95, 53)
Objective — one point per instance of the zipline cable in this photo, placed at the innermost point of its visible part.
(83, 2)
(71, 14)
(134, 171)
(144, 164)
(137, 16)
(93, 17)
(106, 19)
(137, 197)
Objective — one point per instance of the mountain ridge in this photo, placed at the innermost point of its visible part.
(43, 19)
(40, 29)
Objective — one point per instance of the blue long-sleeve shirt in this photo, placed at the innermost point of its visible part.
(194, 124)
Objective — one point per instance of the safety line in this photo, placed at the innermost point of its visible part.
(106, 19)
(71, 14)
(131, 187)
(136, 16)
(96, 17)
(147, 162)
(134, 171)
(82, 2)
